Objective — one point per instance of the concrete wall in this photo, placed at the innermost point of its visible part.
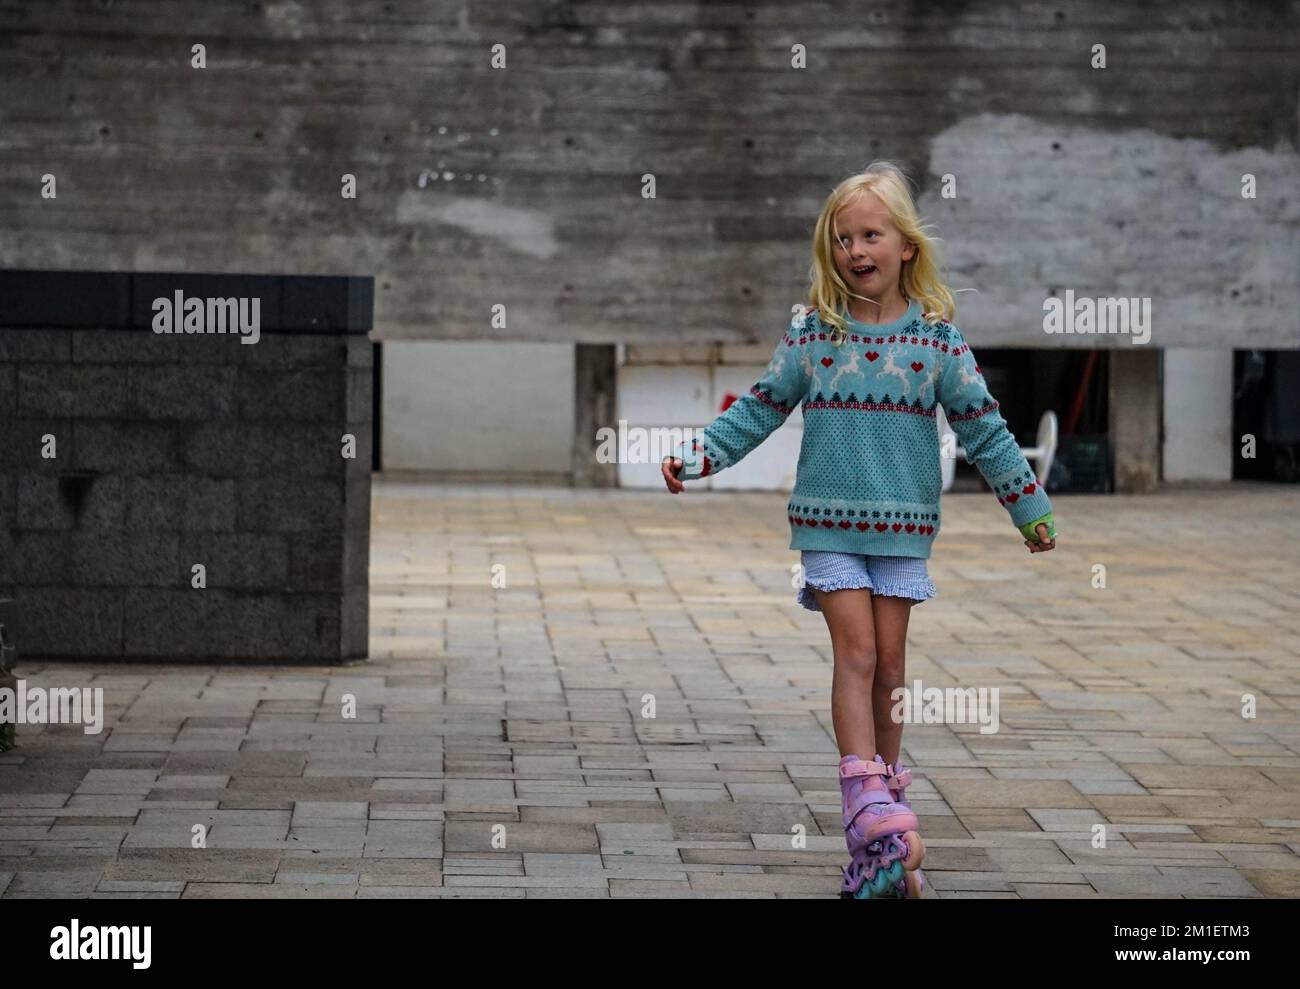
(521, 186)
(1134, 430)
(127, 457)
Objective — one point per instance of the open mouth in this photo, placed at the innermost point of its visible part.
(864, 270)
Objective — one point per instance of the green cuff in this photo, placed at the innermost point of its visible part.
(1027, 530)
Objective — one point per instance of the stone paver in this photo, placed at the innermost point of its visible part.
(521, 637)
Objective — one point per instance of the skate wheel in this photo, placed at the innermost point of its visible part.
(887, 883)
(879, 883)
(915, 851)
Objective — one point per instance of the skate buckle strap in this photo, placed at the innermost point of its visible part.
(899, 781)
(861, 767)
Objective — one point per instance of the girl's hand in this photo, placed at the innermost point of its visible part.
(1044, 543)
(671, 468)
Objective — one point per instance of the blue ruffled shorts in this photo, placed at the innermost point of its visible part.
(889, 576)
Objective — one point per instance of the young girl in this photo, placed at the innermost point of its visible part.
(870, 359)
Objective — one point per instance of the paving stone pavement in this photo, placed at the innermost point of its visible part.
(497, 743)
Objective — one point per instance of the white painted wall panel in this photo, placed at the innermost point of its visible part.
(1198, 442)
(692, 395)
(477, 406)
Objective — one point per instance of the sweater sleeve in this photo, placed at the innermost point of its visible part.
(973, 414)
(753, 417)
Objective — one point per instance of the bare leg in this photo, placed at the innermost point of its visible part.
(891, 615)
(853, 644)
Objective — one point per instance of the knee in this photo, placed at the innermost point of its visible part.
(857, 657)
(889, 670)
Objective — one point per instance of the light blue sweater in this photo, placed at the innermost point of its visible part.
(869, 478)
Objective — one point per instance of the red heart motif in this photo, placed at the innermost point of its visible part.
(864, 526)
(1013, 497)
(872, 355)
(1000, 501)
(828, 523)
(917, 366)
(977, 369)
(897, 526)
(845, 523)
(1029, 488)
(910, 526)
(881, 526)
(798, 520)
(827, 362)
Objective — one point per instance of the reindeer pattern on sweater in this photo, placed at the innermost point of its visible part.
(869, 477)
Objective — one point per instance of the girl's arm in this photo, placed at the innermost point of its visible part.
(751, 418)
(973, 414)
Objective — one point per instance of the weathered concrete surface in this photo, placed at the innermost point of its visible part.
(520, 705)
(521, 186)
(1124, 214)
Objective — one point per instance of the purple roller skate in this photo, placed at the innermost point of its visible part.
(880, 833)
(898, 780)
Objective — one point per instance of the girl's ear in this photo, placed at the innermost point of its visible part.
(909, 252)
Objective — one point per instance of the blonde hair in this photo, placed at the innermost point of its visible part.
(920, 276)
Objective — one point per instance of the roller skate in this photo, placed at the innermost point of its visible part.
(884, 847)
(898, 780)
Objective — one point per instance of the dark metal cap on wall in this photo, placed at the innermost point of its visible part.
(31, 299)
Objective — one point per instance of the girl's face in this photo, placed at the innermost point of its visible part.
(871, 250)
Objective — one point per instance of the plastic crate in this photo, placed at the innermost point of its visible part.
(1082, 465)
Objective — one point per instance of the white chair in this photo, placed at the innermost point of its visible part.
(1040, 455)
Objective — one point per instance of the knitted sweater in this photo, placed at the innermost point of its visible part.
(869, 479)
